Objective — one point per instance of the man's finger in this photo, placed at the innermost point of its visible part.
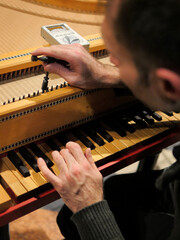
(76, 151)
(59, 160)
(58, 52)
(68, 157)
(47, 173)
(88, 155)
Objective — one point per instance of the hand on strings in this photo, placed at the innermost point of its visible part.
(85, 71)
(79, 183)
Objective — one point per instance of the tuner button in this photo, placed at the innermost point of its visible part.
(71, 40)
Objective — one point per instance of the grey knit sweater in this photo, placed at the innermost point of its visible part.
(97, 222)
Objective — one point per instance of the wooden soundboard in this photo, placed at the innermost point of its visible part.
(21, 22)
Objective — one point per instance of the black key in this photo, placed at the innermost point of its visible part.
(127, 126)
(102, 131)
(92, 134)
(52, 144)
(14, 158)
(138, 120)
(155, 115)
(82, 137)
(63, 138)
(114, 125)
(170, 114)
(133, 114)
(28, 157)
(147, 117)
(39, 153)
(123, 121)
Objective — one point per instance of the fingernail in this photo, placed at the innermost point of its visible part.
(40, 160)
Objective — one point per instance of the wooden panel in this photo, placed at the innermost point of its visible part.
(64, 114)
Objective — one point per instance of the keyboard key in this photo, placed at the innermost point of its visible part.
(144, 114)
(63, 138)
(92, 134)
(155, 115)
(170, 114)
(82, 137)
(29, 158)
(124, 122)
(115, 126)
(18, 163)
(102, 131)
(138, 120)
(52, 144)
(37, 151)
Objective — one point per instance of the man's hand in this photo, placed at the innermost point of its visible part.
(79, 182)
(85, 71)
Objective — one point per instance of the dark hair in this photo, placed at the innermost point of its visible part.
(150, 29)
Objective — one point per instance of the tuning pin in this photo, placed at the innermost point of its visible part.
(45, 82)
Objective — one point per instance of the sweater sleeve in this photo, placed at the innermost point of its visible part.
(97, 222)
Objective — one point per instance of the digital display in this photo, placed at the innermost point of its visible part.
(57, 27)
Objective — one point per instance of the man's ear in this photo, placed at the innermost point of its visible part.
(169, 83)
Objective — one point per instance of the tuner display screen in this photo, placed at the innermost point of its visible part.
(57, 27)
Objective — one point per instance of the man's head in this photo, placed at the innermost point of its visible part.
(143, 38)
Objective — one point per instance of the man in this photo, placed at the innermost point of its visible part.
(143, 39)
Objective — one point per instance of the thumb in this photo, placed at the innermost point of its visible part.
(47, 173)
